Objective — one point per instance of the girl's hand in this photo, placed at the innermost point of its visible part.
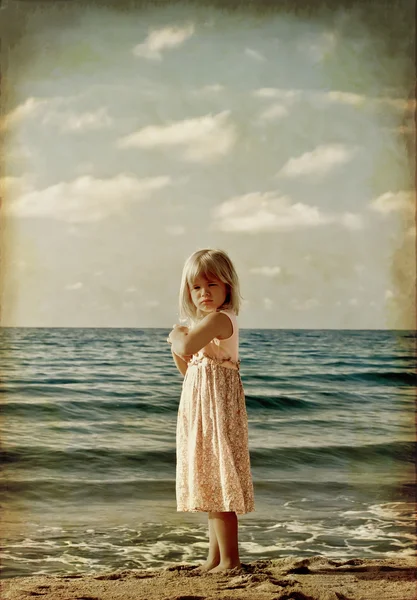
(171, 337)
(175, 329)
(183, 328)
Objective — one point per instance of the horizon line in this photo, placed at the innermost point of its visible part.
(240, 328)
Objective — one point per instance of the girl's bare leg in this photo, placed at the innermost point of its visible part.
(226, 530)
(213, 558)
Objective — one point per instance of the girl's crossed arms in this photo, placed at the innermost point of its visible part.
(185, 342)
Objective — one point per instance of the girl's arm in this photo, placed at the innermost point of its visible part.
(180, 362)
(214, 325)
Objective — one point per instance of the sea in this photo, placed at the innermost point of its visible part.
(88, 448)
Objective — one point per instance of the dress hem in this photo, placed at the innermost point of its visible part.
(222, 509)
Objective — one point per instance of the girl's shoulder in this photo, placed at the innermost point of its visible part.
(232, 316)
(229, 312)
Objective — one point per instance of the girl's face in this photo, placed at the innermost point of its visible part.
(207, 294)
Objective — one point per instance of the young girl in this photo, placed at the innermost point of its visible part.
(213, 466)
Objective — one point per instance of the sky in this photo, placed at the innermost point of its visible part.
(135, 137)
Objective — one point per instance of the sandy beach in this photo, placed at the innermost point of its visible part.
(315, 578)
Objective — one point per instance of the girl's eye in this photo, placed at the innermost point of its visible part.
(212, 284)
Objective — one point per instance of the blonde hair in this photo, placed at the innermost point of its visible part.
(214, 263)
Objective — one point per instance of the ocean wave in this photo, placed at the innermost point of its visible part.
(152, 487)
(96, 407)
(335, 456)
(279, 403)
(283, 458)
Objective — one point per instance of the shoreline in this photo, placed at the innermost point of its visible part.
(313, 578)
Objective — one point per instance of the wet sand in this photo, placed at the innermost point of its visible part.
(315, 578)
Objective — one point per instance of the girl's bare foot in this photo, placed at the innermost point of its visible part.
(225, 566)
(207, 566)
(213, 556)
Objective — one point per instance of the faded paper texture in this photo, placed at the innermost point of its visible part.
(134, 133)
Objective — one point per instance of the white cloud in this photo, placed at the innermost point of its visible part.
(393, 202)
(320, 161)
(268, 211)
(254, 54)
(267, 271)
(352, 221)
(201, 140)
(163, 39)
(389, 294)
(281, 94)
(275, 111)
(353, 99)
(345, 98)
(28, 108)
(73, 122)
(290, 96)
(353, 301)
(398, 103)
(13, 188)
(85, 198)
(11, 185)
(74, 286)
(54, 111)
(360, 99)
(268, 303)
